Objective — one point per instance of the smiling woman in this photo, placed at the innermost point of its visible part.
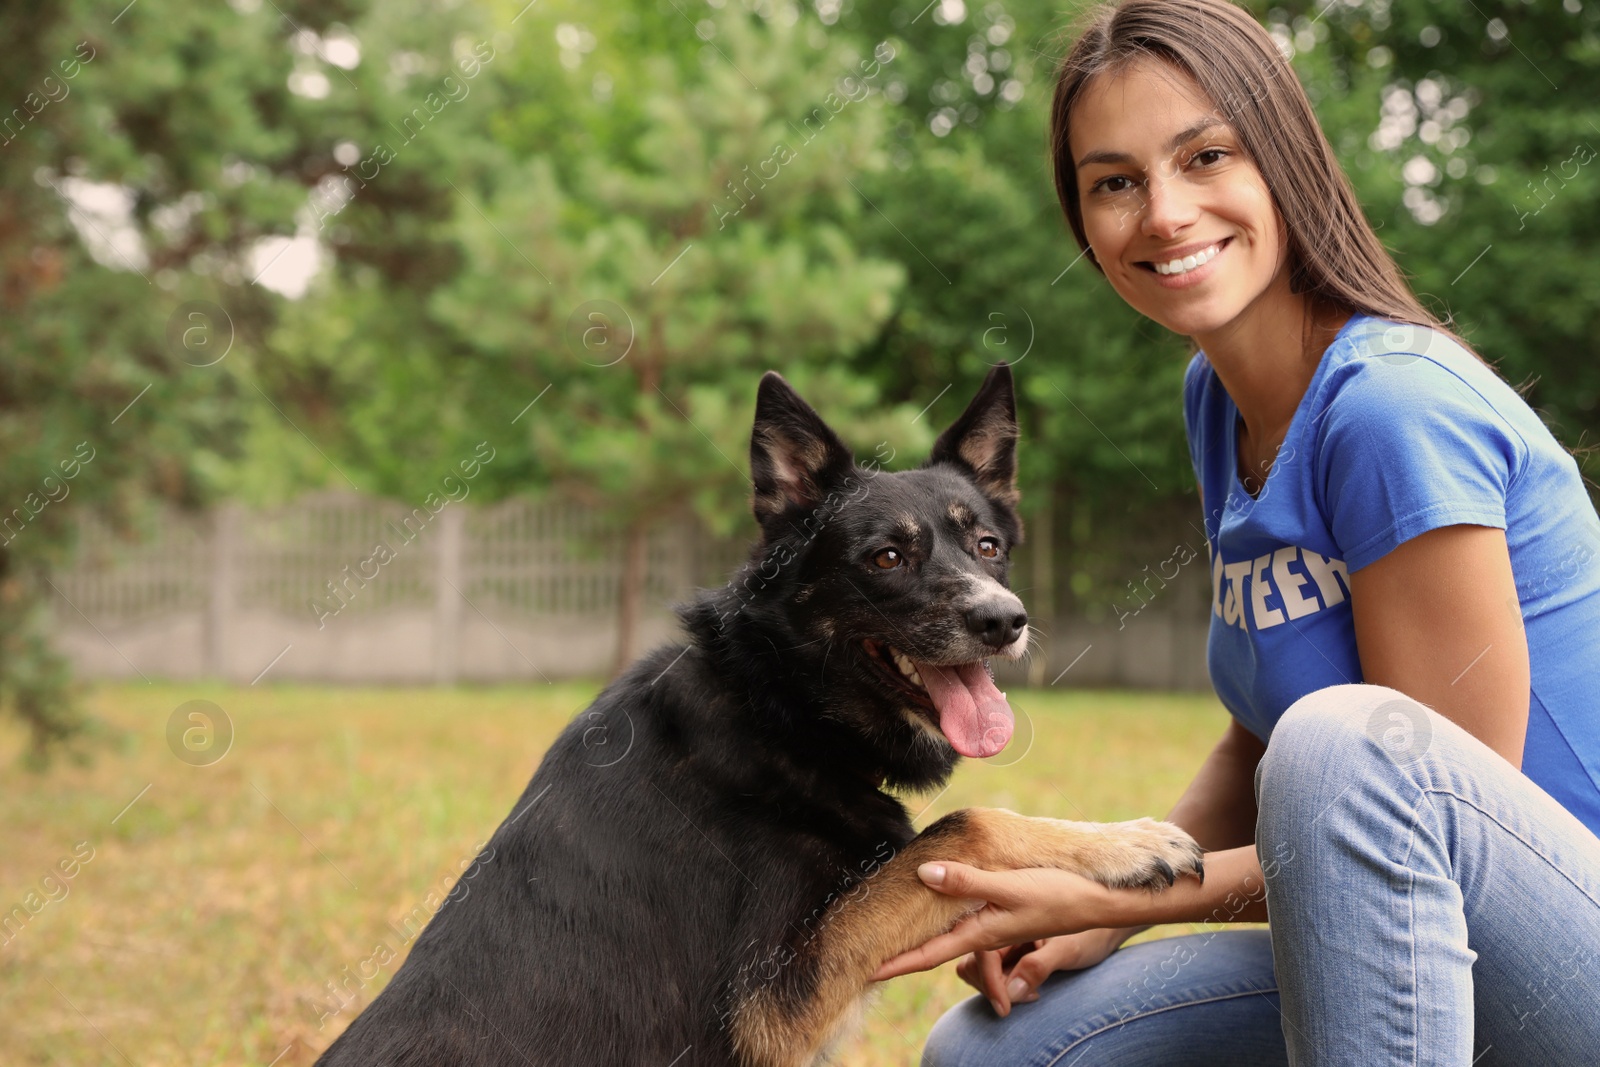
(1413, 765)
(1233, 123)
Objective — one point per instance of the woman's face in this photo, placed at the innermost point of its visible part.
(1177, 215)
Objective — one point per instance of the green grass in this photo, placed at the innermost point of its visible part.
(218, 907)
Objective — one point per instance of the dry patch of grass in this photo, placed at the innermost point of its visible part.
(243, 912)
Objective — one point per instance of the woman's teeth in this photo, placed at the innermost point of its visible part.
(1189, 263)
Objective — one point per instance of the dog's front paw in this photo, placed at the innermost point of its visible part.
(1145, 854)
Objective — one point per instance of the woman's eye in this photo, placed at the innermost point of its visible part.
(988, 548)
(1208, 157)
(888, 559)
(1114, 184)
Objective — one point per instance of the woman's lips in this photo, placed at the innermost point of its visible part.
(1204, 260)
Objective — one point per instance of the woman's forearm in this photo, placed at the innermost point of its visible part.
(1219, 811)
(1219, 807)
(1233, 891)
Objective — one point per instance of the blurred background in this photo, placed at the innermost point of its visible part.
(375, 375)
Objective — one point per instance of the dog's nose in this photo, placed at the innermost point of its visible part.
(996, 625)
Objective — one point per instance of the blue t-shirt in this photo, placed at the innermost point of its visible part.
(1401, 431)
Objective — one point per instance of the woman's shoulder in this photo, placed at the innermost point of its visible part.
(1368, 343)
(1394, 398)
(1381, 370)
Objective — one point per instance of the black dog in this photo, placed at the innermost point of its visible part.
(722, 892)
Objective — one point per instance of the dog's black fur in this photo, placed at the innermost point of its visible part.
(682, 837)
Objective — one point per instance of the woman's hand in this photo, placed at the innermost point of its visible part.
(1015, 907)
(1013, 975)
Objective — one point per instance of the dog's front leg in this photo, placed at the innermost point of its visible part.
(894, 911)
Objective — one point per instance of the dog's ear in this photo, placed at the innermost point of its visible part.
(983, 440)
(794, 456)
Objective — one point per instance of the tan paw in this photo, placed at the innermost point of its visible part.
(1143, 854)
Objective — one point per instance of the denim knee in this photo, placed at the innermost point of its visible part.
(1336, 724)
(1323, 745)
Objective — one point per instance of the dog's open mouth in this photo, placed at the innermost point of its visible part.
(972, 714)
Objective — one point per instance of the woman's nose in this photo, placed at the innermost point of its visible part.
(1169, 207)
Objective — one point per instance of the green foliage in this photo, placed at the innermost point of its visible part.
(116, 391)
(620, 215)
(1466, 130)
(702, 234)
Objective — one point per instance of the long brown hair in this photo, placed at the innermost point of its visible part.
(1334, 256)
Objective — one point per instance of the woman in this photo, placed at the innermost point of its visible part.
(1382, 509)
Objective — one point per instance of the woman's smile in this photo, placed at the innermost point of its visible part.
(1183, 267)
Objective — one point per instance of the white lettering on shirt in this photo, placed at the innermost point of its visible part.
(1290, 584)
(1241, 593)
(1216, 581)
(1233, 606)
(1323, 569)
(1265, 616)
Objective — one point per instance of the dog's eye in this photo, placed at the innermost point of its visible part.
(988, 548)
(888, 559)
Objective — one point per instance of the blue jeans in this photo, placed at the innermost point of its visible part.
(1429, 905)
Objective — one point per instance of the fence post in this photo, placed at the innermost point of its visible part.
(447, 593)
(222, 603)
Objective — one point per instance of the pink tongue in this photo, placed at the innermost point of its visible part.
(973, 715)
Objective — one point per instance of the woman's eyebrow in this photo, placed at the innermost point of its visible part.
(1181, 138)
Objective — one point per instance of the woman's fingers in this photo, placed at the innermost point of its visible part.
(970, 971)
(966, 937)
(1011, 907)
(1010, 956)
(992, 971)
(1022, 984)
(960, 880)
(989, 971)
(1069, 952)
(957, 880)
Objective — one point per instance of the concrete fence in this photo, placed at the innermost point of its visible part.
(341, 588)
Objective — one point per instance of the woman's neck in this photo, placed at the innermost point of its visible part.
(1267, 356)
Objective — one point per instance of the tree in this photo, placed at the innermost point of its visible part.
(658, 226)
(144, 156)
